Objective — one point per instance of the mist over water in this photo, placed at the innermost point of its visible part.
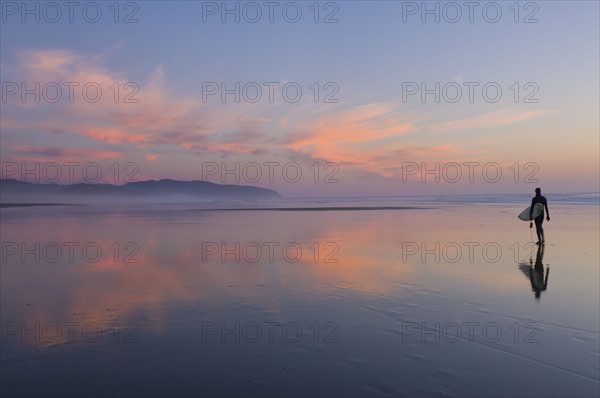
(15, 192)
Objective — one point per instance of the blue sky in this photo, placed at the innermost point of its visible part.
(369, 134)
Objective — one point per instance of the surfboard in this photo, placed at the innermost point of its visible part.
(537, 210)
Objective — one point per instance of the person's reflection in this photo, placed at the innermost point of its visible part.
(539, 282)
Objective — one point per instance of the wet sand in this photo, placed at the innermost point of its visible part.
(171, 301)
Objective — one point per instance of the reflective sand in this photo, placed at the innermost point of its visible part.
(180, 301)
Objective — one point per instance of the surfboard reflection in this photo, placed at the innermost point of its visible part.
(535, 272)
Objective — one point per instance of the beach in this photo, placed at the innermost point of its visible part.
(386, 297)
(299, 199)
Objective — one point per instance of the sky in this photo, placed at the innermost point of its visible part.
(329, 98)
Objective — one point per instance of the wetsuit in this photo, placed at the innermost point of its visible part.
(540, 218)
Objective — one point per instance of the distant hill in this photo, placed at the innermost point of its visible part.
(152, 191)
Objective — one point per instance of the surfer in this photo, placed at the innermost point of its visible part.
(538, 198)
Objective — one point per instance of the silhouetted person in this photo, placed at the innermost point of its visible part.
(536, 274)
(538, 198)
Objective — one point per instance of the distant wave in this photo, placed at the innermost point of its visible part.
(562, 198)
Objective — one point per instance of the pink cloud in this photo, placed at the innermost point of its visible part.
(67, 154)
(358, 125)
(158, 116)
(503, 117)
(373, 138)
(366, 138)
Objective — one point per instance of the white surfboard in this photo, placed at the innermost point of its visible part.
(537, 210)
